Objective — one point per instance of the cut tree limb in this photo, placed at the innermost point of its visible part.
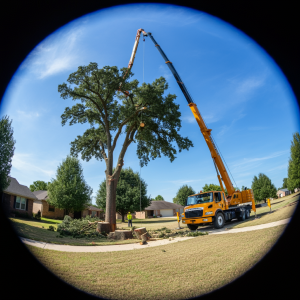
(145, 237)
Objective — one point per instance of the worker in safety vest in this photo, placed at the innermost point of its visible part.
(129, 218)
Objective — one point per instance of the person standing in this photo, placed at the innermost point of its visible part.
(129, 218)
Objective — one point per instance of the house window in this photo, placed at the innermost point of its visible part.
(94, 213)
(20, 203)
(51, 208)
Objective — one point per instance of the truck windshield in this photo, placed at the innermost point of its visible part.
(199, 199)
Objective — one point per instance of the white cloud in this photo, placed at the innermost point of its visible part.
(259, 159)
(28, 115)
(225, 128)
(31, 166)
(189, 119)
(56, 54)
(281, 167)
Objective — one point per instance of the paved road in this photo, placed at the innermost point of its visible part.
(135, 246)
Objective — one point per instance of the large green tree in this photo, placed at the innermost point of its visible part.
(285, 184)
(159, 198)
(113, 105)
(213, 187)
(7, 148)
(263, 188)
(294, 164)
(69, 190)
(131, 193)
(39, 185)
(182, 194)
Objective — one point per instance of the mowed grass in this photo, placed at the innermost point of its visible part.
(34, 230)
(176, 271)
(153, 223)
(281, 209)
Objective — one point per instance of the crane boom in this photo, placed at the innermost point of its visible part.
(220, 168)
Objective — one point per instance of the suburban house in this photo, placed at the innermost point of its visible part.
(17, 198)
(160, 209)
(49, 211)
(283, 192)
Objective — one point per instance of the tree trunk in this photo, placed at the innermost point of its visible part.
(103, 227)
(145, 237)
(110, 215)
(139, 231)
(123, 217)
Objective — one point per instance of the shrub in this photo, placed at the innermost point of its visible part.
(37, 216)
(51, 228)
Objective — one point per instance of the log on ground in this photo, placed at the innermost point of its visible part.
(139, 231)
(145, 237)
(123, 235)
(103, 227)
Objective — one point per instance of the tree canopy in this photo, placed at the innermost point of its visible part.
(182, 194)
(212, 187)
(159, 198)
(39, 185)
(69, 190)
(127, 194)
(294, 164)
(7, 146)
(113, 105)
(263, 188)
(285, 184)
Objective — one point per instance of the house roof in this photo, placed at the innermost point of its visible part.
(41, 195)
(94, 208)
(15, 188)
(284, 190)
(155, 205)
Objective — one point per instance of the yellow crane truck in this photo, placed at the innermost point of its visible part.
(214, 206)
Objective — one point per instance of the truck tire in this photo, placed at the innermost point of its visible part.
(242, 216)
(247, 214)
(219, 221)
(192, 227)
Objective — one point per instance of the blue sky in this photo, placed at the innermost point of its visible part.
(240, 91)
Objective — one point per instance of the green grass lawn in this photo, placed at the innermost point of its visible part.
(280, 211)
(115, 275)
(34, 230)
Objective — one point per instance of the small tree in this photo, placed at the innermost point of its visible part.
(6, 151)
(294, 164)
(159, 198)
(127, 194)
(182, 194)
(263, 188)
(69, 190)
(39, 185)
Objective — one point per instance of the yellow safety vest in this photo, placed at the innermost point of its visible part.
(129, 216)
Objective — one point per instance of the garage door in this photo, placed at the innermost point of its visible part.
(166, 212)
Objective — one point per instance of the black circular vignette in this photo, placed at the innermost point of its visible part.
(273, 26)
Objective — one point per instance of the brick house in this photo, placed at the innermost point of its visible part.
(283, 192)
(17, 198)
(161, 209)
(49, 211)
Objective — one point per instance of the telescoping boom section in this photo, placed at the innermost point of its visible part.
(213, 206)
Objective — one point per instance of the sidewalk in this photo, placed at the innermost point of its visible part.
(69, 248)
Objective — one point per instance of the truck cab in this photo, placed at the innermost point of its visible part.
(202, 208)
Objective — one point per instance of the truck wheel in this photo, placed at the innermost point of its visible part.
(219, 221)
(242, 216)
(247, 215)
(192, 227)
